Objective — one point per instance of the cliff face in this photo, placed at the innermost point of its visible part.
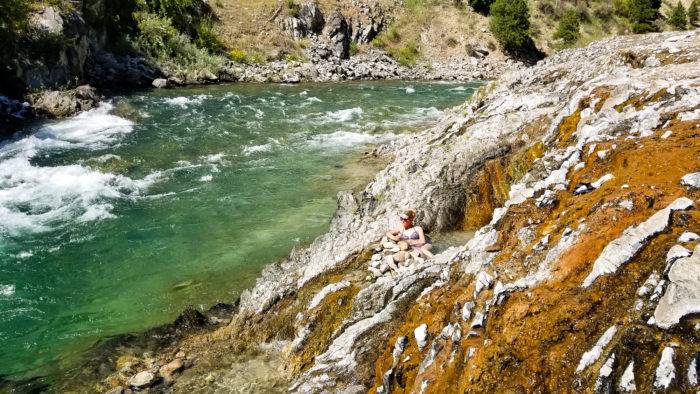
(580, 177)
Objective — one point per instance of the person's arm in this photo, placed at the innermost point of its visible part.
(393, 234)
(421, 237)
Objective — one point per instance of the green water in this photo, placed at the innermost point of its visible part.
(112, 224)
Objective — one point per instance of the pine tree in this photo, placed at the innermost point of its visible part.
(642, 14)
(678, 17)
(568, 29)
(693, 13)
(510, 24)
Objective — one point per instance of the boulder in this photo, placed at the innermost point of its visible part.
(160, 83)
(47, 21)
(338, 32)
(142, 380)
(62, 103)
(311, 16)
(172, 368)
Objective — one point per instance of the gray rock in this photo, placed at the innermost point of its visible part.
(160, 83)
(311, 16)
(48, 21)
(171, 368)
(338, 32)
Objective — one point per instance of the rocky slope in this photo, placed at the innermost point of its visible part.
(580, 176)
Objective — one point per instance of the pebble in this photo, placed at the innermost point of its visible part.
(171, 368)
(688, 237)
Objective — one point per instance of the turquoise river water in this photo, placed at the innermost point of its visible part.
(116, 219)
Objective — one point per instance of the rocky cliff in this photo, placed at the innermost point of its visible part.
(580, 177)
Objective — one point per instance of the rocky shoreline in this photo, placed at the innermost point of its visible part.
(572, 281)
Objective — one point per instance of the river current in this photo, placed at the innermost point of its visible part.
(116, 219)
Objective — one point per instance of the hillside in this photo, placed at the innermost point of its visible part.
(580, 178)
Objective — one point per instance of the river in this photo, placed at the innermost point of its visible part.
(116, 219)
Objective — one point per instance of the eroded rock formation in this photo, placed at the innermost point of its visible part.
(558, 290)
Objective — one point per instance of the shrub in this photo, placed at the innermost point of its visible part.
(354, 48)
(408, 54)
(678, 18)
(392, 34)
(510, 23)
(693, 13)
(293, 8)
(258, 58)
(568, 29)
(642, 14)
(206, 38)
(161, 43)
(239, 56)
(481, 6)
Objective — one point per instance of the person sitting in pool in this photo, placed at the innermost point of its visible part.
(413, 235)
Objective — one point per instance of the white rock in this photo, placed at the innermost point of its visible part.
(688, 237)
(627, 381)
(651, 282)
(602, 154)
(605, 372)
(691, 180)
(597, 184)
(667, 134)
(421, 334)
(652, 61)
(693, 372)
(676, 252)
(592, 355)
(627, 204)
(323, 293)
(377, 256)
(483, 281)
(665, 372)
(478, 320)
(498, 214)
(467, 310)
(622, 249)
(682, 296)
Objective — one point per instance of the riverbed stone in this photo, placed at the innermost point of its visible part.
(142, 380)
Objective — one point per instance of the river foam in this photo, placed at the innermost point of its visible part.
(35, 198)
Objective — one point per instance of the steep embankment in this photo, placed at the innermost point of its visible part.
(582, 276)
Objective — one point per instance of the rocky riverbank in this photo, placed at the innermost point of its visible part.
(580, 176)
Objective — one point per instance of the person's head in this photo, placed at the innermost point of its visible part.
(407, 218)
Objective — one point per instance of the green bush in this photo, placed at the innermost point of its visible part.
(642, 14)
(693, 13)
(206, 38)
(354, 48)
(678, 18)
(160, 42)
(408, 54)
(568, 29)
(481, 6)
(510, 24)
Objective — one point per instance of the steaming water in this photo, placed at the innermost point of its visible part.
(115, 220)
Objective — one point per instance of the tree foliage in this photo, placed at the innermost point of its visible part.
(481, 6)
(693, 13)
(13, 19)
(678, 18)
(568, 29)
(642, 14)
(510, 24)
